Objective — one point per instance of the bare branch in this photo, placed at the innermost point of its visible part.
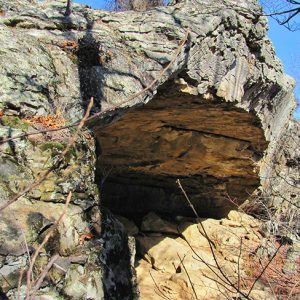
(228, 281)
(160, 294)
(20, 282)
(113, 107)
(45, 240)
(290, 17)
(191, 283)
(282, 12)
(39, 180)
(43, 275)
(264, 269)
(239, 266)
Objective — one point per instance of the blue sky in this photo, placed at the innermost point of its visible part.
(286, 43)
(287, 47)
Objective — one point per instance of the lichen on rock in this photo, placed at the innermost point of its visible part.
(215, 113)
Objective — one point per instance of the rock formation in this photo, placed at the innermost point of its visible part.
(215, 112)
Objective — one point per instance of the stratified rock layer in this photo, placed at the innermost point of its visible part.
(213, 147)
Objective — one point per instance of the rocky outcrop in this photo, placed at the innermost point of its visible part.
(218, 118)
(209, 124)
(179, 259)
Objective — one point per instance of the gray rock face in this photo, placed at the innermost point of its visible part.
(219, 119)
(117, 257)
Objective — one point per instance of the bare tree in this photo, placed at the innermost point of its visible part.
(137, 5)
(122, 5)
(68, 8)
(284, 12)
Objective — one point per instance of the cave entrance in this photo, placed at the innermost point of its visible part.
(211, 146)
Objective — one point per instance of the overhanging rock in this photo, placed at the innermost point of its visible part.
(208, 122)
(212, 119)
(216, 119)
(212, 146)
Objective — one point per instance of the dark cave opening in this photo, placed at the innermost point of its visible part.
(211, 146)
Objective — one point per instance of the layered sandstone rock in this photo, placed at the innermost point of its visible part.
(181, 261)
(219, 119)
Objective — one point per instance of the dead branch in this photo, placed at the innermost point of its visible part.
(206, 236)
(113, 107)
(297, 283)
(27, 248)
(160, 294)
(40, 179)
(238, 263)
(228, 281)
(20, 282)
(223, 280)
(264, 269)
(38, 250)
(211, 267)
(297, 9)
(188, 275)
(43, 275)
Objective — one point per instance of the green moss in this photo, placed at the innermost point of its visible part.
(71, 153)
(8, 150)
(52, 146)
(55, 148)
(14, 122)
(27, 25)
(74, 59)
(65, 26)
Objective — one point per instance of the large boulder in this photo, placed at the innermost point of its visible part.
(183, 265)
(215, 112)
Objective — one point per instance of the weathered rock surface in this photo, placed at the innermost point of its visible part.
(177, 263)
(219, 119)
(208, 124)
(223, 99)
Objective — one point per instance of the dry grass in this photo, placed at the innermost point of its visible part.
(283, 285)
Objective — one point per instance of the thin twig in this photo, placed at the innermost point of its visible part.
(27, 249)
(45, 240)
(229, 282)
(211, 267)
(297, 9)
(264, 269)
(223, 293)
(113, 107)
(292, 290)
(6, 281)
(290, 17)
(224, 285)
(43, 275)
(272, 289)
(20, 283)
(238, 264)
(40, 179)
(60, 267)
(188, 275)
(162, 294)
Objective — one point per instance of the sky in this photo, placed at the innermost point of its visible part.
(285, 42)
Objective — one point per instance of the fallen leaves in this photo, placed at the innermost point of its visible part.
(50, 121)
(85, 237)
(69, 45)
